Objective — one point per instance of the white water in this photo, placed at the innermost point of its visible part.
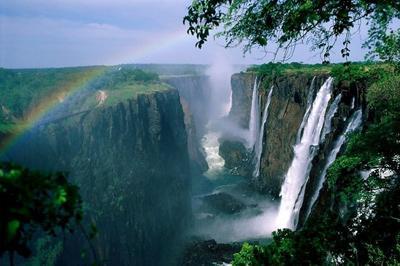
(215, 162)
(304, 150)
(259, 143)
(354, 123)
(353, 101)
(329, 115)
(254, 116)
(219, 106)
(310, 98)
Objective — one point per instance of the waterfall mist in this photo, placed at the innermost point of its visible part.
(245, 226)
(220, 72)
(220, 103)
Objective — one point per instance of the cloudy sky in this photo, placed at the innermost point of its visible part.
(54, 33)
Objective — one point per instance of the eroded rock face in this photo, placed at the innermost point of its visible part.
(286, 110)
(198, 163)
(242, 85)
(131, 163)
(196, 91)
(237, 158)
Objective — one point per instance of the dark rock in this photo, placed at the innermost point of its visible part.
(208, 252)
(237, 157)
(131, 163)
(223, 203)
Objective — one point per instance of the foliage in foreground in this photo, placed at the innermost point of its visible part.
(288, 23)
(357, 221)
(33, 202)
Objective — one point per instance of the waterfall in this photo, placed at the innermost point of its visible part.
(254, 116)
(215, 162)
(352, 103)
(304, 150)
(310, 98)
(329, 115)
(259, 143)
(354, 123)
(218, 107)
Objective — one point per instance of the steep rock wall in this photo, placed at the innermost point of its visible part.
(242, 85)
(286, 111)
(131, 163)
(194, 91)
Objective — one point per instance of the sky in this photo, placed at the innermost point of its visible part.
(58, 33)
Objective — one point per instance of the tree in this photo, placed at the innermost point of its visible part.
(32, 202)
(289, 22)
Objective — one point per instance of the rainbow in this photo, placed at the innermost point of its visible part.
(49, 103)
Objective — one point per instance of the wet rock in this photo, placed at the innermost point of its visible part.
(223, 203)
(237, 157)
(209, 252)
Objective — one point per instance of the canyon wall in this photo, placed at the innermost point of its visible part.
(131, 163)
(285, 114)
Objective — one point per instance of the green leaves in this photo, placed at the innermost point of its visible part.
(288, 22)
(32, 202)
(12, 228)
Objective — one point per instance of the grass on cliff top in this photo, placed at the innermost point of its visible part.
(300, 68)
(351, 73)
(23, 89)
(122, 92)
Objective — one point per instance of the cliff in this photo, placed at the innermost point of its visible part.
(285, 114)
(131, 163)
(196, 91)
(286, 111)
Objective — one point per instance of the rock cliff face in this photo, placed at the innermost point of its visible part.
(242, 85)
(194, 91)
(285, 114)
(286, 111)
(131, 163)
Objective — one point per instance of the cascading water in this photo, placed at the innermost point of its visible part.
(353, 101)
(304, 151)
(210, 143)
(329, 115)
(219, 107)
(254, 116)
(354, 123)
(310, 98)
(259, 143)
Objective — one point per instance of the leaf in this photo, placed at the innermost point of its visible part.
(12, 228)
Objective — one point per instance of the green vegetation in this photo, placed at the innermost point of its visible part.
(33, 202)
(357, 220)
(27, 90)
(286, 23)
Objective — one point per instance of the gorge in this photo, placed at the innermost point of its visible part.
(214, 155)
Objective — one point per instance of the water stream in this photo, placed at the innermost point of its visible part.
(304, 151)
(259, 144)
(354, 123)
